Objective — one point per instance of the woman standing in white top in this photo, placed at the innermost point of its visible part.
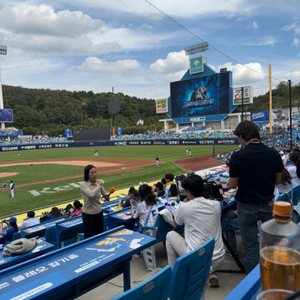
(92, 214)
(294, 170)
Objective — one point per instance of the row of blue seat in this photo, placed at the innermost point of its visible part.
(186, 281)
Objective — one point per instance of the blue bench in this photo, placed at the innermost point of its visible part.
(41, 248)
(39, 229)
(71, 271)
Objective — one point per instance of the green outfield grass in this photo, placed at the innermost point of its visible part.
(25, 200)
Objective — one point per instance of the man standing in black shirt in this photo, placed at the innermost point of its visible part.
(254, 169)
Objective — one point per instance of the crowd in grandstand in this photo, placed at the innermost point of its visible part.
(28, 140)
(175, 135)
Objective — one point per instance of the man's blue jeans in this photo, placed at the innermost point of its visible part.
(248, 215)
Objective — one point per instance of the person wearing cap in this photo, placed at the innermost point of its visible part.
(8, 232)
(31, 220)
(254, 169)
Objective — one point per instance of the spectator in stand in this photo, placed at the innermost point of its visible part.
(254, 169)
(78, 209)
(286, 182)
(181, 190)
(68, 211)
(159, 189)
(189, 173)
(294, 169)
(169, 181)
(55, 213)
(31, 220)
(146, 209)
(92, 213)
(202, 220)
(131, 196)
(9, 231)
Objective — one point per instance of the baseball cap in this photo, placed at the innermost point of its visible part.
(281, 152)
(277, 110)
(12, 220)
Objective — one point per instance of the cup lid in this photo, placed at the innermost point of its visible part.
(282, 209)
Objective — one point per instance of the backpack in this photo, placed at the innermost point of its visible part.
(212, 190)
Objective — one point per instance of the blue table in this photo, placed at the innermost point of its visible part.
(73, 270)
(42, 247)
(39, 229)
(248, 288)
(67, 230)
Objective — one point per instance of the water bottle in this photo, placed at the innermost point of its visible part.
(280, 250)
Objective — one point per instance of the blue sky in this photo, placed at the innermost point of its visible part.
(131, 45)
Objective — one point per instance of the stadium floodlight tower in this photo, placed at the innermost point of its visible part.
(196, 48)
(3, 51)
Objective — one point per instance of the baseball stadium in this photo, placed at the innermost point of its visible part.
(134, 154)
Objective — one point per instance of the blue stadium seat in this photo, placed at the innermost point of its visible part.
(155, 288)
(50, 236)
(17, 235)
(159, 230)
(190, 273)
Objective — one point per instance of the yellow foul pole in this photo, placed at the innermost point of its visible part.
(270, 93)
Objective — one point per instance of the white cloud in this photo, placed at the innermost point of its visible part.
(245, 74)
(43, 20)
(290, 26)
(293, 26)
(94, 64)
(296, 42)
(264, 41)
(41, 29)
(172, 68)
(81, 45)
(254, 25)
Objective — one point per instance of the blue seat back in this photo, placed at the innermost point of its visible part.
(155, 288)
(50, 236)
(162, 228)
(292, 196)
(296, 195)
(16, 236)
(190, 273)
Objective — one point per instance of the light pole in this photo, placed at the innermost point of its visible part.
(3, 51)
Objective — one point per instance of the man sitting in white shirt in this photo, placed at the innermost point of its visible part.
(30, 221)
(202, 220)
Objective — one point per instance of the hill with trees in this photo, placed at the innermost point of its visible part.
(44, 111)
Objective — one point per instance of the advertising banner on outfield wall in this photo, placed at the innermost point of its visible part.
(229, 141)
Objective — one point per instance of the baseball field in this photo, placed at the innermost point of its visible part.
(51, 176)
